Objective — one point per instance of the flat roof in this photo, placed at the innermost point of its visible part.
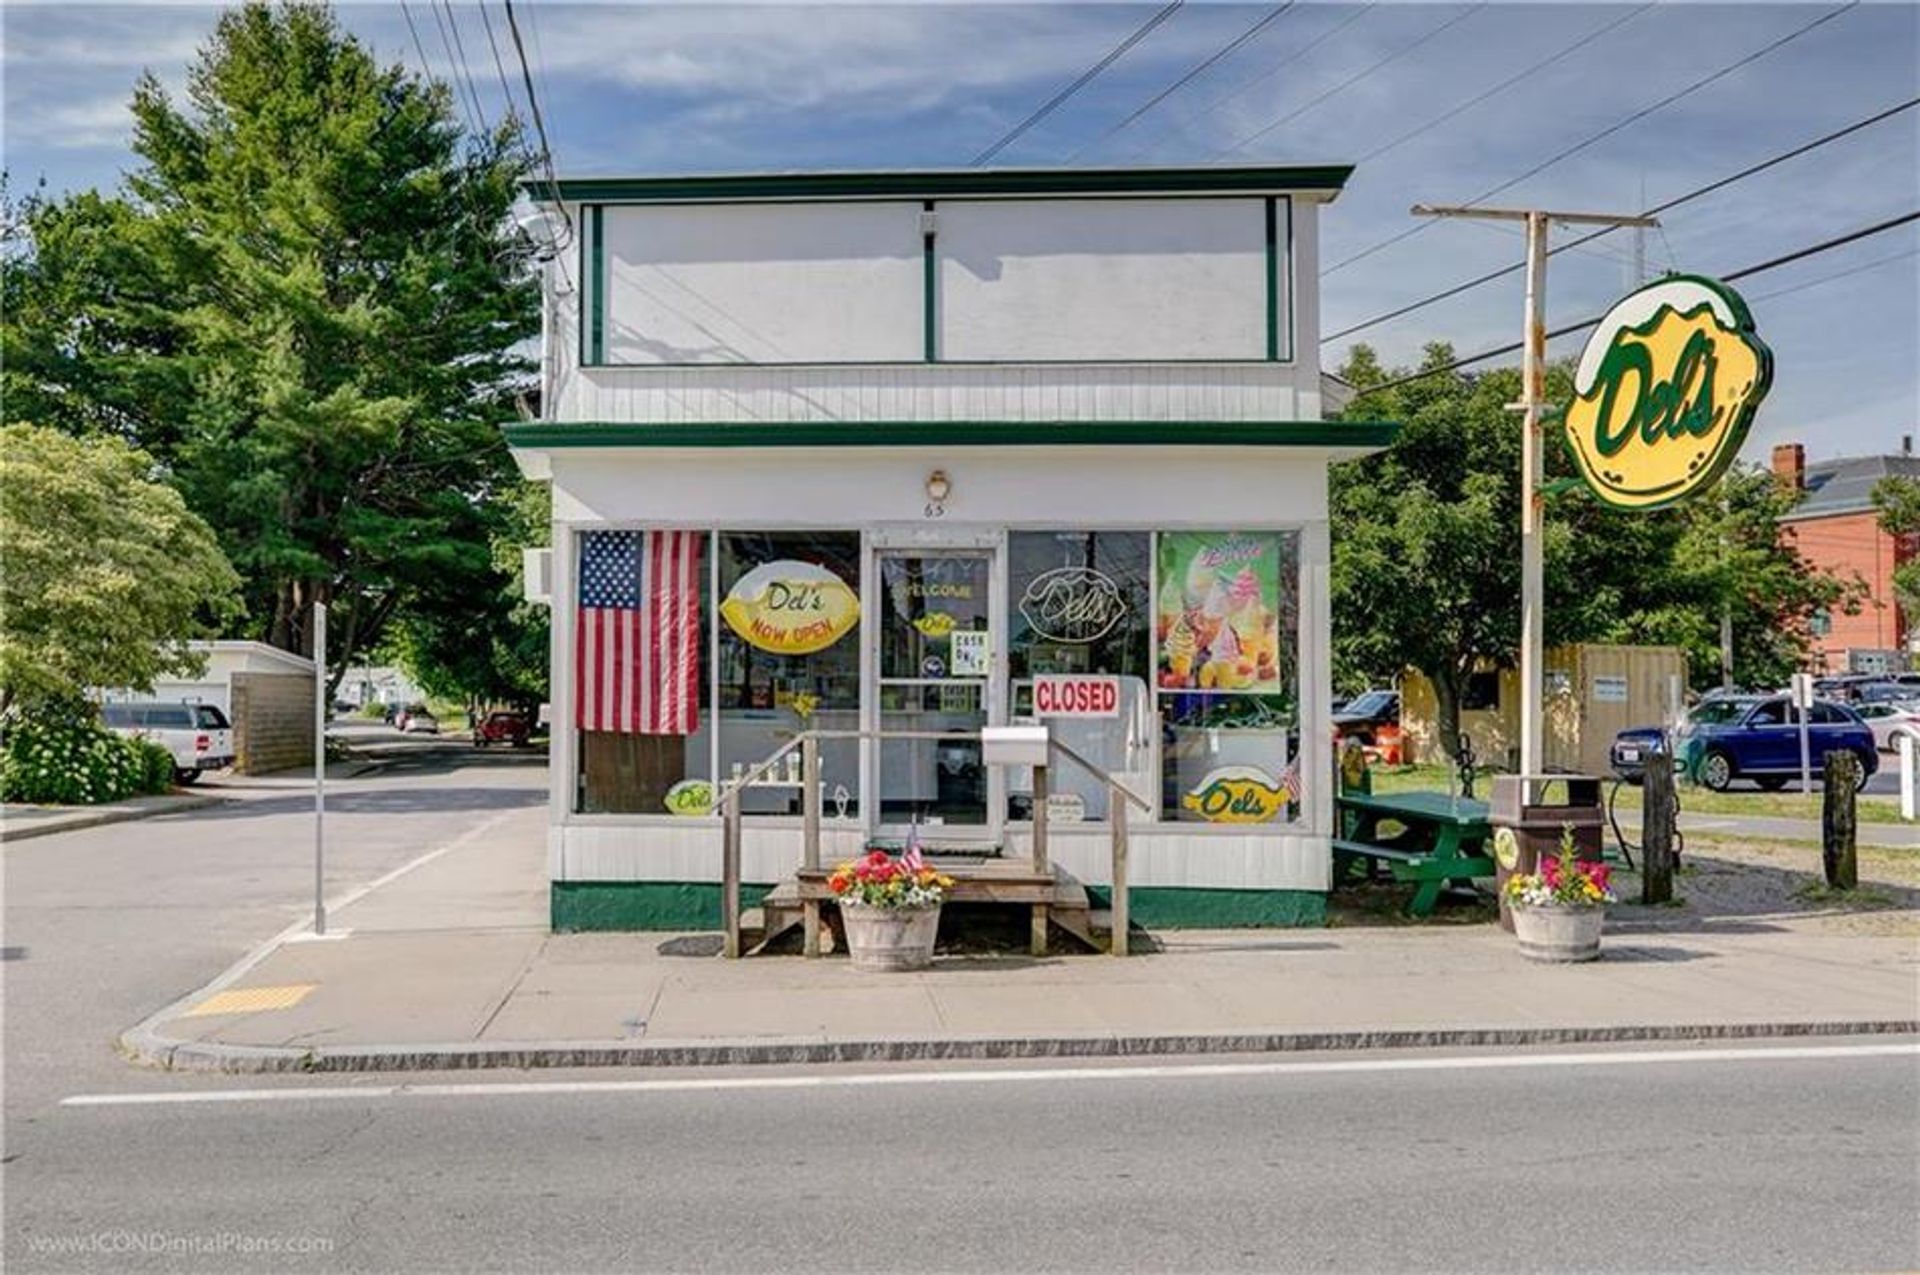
(935, 183)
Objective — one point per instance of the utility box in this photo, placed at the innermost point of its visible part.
(1529, 813)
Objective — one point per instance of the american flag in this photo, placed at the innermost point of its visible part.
(911, 858)
(1290, 780)
(636, 645)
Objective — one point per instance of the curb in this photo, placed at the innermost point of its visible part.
(145, 1046)
(100, 818)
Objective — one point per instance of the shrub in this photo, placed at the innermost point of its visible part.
(56, 752)
(159, 766)
(374, 710)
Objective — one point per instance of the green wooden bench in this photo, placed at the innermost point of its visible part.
(1443, 839)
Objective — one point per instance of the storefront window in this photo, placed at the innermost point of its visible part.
(1078, 608)
(640, 673)
(789, 620)
(1226, 653)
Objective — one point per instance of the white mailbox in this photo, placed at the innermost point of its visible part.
(1014, 745)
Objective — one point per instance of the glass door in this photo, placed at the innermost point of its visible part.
(934, 665)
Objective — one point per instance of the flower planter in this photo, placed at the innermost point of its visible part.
(888, 940)
(1557, 933)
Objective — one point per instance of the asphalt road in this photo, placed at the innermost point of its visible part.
(1759, 1164)
(106, 925)
(1684, 1161)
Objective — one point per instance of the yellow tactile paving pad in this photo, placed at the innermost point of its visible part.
(248, 1000)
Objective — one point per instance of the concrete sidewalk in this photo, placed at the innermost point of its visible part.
(450, 964)
(18, 822)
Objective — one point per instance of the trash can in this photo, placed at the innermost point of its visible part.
(1529, 813)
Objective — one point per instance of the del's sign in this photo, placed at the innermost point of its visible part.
(1075, 695)
(1665, 391)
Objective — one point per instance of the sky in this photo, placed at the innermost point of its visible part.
(1434, 102)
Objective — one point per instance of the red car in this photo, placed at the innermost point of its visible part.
(502, 728)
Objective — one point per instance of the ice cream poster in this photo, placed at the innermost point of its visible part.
(1221, 601)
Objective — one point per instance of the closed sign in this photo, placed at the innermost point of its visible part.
(1063, 695)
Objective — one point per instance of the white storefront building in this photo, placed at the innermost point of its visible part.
(892, 452)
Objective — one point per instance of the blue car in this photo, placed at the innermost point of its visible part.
(1753, 737)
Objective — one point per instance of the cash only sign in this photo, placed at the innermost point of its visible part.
(1665, 391)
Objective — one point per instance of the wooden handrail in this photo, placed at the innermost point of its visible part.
(727, 805)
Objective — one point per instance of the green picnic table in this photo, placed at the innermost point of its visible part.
(1442, 839)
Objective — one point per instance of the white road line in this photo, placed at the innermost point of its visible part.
(987, 1076)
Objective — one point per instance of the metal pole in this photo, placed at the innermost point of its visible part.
(1806, 761)
(1533, 373)
(730, 877)
(1904, 742)
(319, 767)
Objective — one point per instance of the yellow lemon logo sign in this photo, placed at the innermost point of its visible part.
(935, 624)
(1665, 390)
(690, 797)
(791, 608)
(1237, 794)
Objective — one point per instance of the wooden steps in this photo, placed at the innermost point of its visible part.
(1056, 900)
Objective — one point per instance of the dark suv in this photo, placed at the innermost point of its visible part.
(1750, 737)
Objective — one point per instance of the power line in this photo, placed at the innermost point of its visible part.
(1085, 78)
(1198, 69)
(1350, 81)
(1508, 83)
(1696, 193)
(474, 119)
(499, 66)
(1604, 133)
(1838, 274)
(1213, 106)
(540, 127)
(426, 68)
(1800, 254)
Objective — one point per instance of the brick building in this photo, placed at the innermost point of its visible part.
(1837, 529)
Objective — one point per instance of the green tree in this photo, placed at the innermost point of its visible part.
(106, 574)
(1898, 499)
(481, 642)
(1426, 548)
(306, 304)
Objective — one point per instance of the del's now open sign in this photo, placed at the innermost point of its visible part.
(1075, 695)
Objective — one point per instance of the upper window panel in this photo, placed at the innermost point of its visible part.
(1105, 279)
(763, 283)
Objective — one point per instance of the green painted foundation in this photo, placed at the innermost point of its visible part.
(695, 905)
(643, 905)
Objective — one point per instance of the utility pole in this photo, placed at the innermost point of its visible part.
(1533, 378)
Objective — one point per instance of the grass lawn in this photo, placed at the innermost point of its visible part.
(1693, 798)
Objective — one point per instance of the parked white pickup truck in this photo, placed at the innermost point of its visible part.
(197, 735)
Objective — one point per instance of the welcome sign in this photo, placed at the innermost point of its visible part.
(791, 608)
(1665, 391)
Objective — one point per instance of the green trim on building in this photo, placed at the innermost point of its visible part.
(695, 905)
(1168, 907)
(1273, 281)
(951, 183)
(543, 435)
(929, 293)
(597, 322)
(642, 905)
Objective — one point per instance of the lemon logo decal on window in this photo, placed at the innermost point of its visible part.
(1237, 794)
(791, 608)
(1665, 390)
